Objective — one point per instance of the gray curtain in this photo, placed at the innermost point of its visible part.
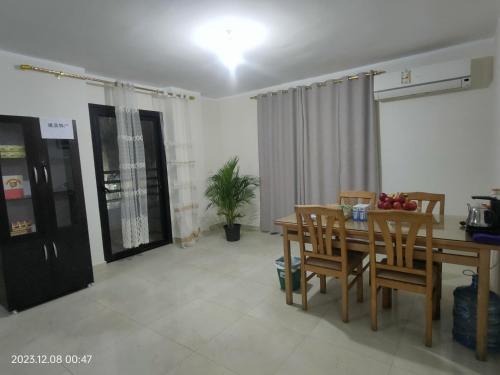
(315, 142)
(279, 117)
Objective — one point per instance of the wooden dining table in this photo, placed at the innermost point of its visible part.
(455, 247)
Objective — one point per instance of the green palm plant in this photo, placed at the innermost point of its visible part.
(229, 192)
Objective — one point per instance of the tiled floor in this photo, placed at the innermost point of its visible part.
(216, 308)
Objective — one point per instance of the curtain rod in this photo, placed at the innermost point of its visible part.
(320, 84)
(58, 74)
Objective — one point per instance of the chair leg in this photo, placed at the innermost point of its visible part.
(386, 298)
(428, 318)
(439, 286)
(373, 305)
(303, 289)
(322, 283)
(359, 283)
(434, 304)
(345, 299)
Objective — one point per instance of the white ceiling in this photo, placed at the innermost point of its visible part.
(149, 41)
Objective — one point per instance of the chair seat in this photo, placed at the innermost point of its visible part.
(408, 277)
(354, 259)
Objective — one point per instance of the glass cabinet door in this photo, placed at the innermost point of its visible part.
(16, 179)
(63, 186)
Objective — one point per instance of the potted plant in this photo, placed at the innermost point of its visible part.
(229, 192)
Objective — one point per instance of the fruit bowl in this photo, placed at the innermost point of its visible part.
(396, 201)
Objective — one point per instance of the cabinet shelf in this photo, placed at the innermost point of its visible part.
(25, 198)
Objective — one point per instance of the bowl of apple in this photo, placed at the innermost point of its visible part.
(396, 201)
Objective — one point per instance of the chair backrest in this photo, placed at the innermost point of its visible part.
(430, 199)
(355, 197)
(400, 241)
(324, 229)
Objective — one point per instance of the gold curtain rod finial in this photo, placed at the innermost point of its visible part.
(25, 67)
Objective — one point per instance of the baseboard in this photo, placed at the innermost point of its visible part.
(220, 226)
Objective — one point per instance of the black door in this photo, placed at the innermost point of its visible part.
(68, 238)
(23, 220)
(104, 138)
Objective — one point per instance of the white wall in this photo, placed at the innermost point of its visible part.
(496, 255)
(497, 104)
(442, 143)
(41, 95)
(232, 127)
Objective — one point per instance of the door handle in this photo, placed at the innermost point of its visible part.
(46, 174)
(35, 173)
(55, 249)
(46, 253)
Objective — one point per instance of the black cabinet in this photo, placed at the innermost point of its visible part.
(26, 273)
(44, 242)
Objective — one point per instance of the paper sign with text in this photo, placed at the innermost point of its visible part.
(56, 128)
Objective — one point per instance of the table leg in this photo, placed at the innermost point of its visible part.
(483, 271)
(288, 266)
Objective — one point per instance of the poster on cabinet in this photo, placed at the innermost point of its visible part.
(56, 128)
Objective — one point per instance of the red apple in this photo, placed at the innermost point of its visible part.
(389, 199)
(406, 206)
(380, 204)
(412, 205)
(396, 205)
(387, 205)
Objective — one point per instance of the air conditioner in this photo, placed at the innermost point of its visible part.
(434, 79)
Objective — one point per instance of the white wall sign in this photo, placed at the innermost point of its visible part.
(56, 128)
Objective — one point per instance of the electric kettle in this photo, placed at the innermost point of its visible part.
(483, 219)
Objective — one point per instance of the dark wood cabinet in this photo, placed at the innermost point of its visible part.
(27, 273)
(44, 242)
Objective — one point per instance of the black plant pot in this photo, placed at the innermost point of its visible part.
(232, 232)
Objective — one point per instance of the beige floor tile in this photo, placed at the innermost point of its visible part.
(252, 347)
(243, 295)
(317, 356)
(144, 352)
(195, 323)
(274, 311)
(196, 364)
(93, 334)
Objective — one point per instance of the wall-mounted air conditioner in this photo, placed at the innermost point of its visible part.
(434, 79)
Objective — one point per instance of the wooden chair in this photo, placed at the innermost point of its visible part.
(322, 229)
(399, 270)
(355, 197)
(430, 199)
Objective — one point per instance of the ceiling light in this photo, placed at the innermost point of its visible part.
(229, 38)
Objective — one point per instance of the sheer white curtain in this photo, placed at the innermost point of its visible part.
(177, 116)
(134, 204)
